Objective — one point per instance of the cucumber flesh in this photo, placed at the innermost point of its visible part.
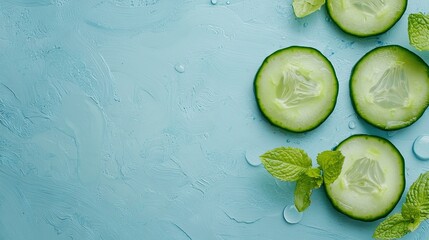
(366, 17)
(296, 88)
(389, 87)
(372, 179)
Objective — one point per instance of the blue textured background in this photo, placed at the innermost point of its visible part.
(130, 119)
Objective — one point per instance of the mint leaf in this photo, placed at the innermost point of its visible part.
(418, 31)
(304, 8)
(315, 174)
(413, 212)
(413, 225)
(331, 163)
(393, 227)
(287, 164)
(410, 212)
(418, 195)
(312, 179)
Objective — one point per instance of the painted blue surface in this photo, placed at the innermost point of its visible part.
(131, 119)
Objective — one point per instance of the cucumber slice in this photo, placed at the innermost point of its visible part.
(389, 87)
(372, 179)
(365, 18)
(296, 88)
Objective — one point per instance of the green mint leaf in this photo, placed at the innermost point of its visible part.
(418, 195)
(315, 174)
(414, 225)
(418, 31)
(304, 8)
(286, 163)
(393, 227)
(312, 179)
(331, 163)
(414, 211)
(410, 212)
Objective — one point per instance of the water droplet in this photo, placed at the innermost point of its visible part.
(179, 68)
(291, 214)
(285, 185)
(305, 25)
(214, 2)
(421, 147)
(228, 2)
(352, 125)
(391, 133)
(252, 157)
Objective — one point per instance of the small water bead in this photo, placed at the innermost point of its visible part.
(421, 147)
(214, 2)
(286, 186)
(252, 157)
(228, 2)
(352, 125)
(391, 133)
(292, 215)
(179, 68)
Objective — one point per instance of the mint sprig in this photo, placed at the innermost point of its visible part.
(418, 31)
(285, 163)
(331, 163)
(294, 164)
(393, 227)
(312, 179)
(414, 211)
(418, 195)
